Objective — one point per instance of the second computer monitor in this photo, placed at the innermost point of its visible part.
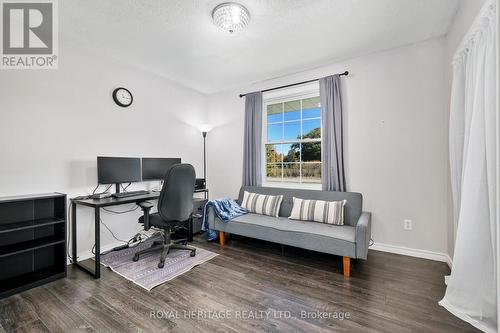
(156, 168)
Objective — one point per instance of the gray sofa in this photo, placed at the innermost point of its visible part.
(349, 241)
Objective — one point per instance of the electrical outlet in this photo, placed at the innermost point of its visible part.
(408, 225)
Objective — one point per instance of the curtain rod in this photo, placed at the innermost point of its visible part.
(294, 84)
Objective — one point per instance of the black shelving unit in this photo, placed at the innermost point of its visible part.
(32, 241)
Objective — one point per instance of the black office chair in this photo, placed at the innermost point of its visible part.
(175, 209)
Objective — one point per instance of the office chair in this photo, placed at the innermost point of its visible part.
(175, 208)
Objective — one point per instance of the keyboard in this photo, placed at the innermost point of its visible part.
(128, 194)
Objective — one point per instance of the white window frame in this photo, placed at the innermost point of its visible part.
(280, 96)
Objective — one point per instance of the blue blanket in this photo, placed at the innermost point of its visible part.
(225, 209)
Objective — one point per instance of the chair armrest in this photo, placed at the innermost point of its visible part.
(146, 207)
(363, 235)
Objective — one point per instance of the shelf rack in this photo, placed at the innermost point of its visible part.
(32, 241)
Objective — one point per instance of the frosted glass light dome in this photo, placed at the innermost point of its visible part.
(231, 16)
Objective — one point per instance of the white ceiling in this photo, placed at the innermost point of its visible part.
(177, 39)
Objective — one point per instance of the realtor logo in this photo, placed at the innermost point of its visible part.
(29, 34)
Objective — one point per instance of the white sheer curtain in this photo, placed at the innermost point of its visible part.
(471, 293)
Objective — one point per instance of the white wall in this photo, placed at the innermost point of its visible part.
(54, 123)
(396, 144)
(464, 17)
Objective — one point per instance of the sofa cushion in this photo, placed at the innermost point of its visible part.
(339, 240)
(352, 209)
(347, 233)
(330, 212)
(261, 203)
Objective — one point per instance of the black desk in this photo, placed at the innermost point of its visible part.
(97, 205)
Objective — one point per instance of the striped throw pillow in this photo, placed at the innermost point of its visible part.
(262, 204)
(330, 212)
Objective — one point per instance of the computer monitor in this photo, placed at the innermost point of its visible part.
(117, 170)
(156, 168)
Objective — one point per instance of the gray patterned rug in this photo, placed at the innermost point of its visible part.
(145, 272)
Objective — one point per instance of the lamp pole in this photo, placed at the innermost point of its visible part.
(205, 156)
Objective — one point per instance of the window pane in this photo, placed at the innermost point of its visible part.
(292, 130)
(311, 113)
(274, 132)
(311, 152)
(291, 172)
(292, 110)
(311, 129)
(273, 172)
(311, 172)
(311, 108)
(275, 113)
(274, 153)
(291, 152)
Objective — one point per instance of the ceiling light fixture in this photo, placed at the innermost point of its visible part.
(231, 16)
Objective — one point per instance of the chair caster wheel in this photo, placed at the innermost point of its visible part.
(136, 258)
(161, 264)
(193, 253)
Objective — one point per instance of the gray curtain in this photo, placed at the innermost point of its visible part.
(332, 149)
(252, 154)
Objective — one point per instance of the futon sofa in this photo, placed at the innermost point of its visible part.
(350, 240)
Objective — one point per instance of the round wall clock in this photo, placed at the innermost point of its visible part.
(122, 97)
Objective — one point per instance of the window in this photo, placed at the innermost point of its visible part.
(292, 140)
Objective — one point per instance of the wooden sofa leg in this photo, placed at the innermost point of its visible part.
(222, 239)
(347, 267)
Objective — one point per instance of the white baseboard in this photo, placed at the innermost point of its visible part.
(449, 261)
(407, 251)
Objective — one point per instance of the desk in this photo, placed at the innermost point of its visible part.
(97, 205)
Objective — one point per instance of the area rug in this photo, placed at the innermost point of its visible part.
(145, 272)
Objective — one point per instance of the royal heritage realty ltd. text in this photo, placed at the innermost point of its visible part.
(247, 315)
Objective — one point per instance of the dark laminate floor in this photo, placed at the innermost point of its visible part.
(387, 293)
